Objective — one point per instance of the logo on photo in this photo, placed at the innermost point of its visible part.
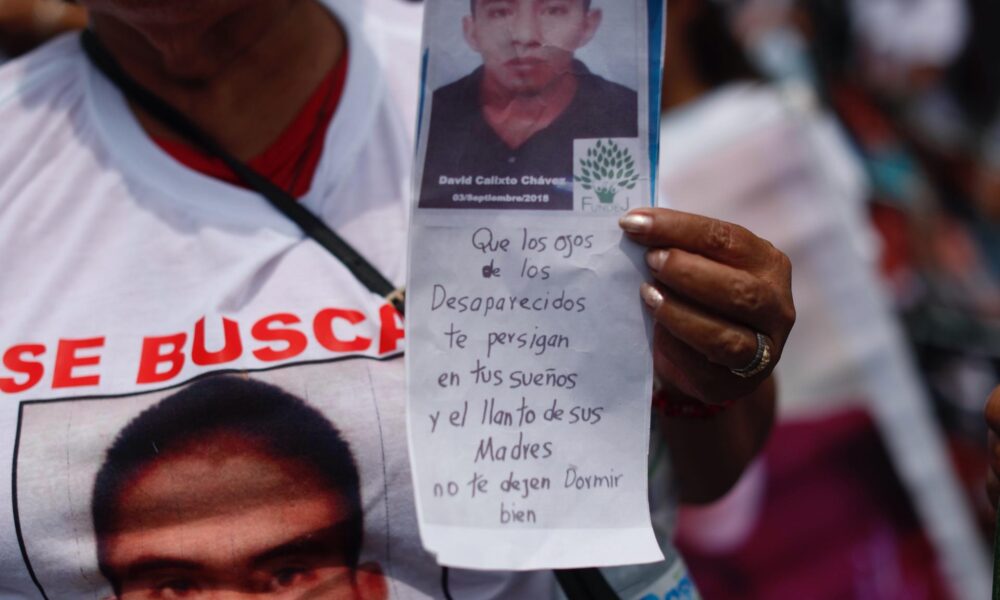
(605, 175)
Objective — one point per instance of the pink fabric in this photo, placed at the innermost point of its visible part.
(836, 524)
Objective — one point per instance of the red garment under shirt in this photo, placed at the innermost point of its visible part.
(291, 161)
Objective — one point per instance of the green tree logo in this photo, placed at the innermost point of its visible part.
(607, 169)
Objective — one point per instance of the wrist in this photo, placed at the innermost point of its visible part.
(675, 405)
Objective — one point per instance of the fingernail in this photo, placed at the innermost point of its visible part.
(656, 258)
(636, 223)
(651, 296)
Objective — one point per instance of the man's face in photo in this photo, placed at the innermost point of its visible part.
(527, 44)
(223, 518)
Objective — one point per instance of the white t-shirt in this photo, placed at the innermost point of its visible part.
(128, 281)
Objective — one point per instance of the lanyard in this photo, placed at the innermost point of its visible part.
(309, 223)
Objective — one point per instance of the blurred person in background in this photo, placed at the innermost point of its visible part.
(855, 415)
(916, 85)
(25, 24)
(977, 84)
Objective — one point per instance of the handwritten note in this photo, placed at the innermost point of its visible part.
(529, 362)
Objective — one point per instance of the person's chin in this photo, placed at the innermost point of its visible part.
(528, 85)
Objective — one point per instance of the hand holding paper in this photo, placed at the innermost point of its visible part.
(717, 286)
(529, 354)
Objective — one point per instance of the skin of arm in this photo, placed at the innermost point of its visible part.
(710, 455)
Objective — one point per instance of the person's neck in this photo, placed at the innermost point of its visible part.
(517, 117)
(242, 78)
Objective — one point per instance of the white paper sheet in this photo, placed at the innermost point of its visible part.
(529, 362)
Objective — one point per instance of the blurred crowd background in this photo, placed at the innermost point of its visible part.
(862, 137)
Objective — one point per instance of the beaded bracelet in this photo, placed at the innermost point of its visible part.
(682, 407)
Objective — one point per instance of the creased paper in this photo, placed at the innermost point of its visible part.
(529, 363)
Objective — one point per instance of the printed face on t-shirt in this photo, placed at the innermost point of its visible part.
(224, 518)
(526, 45)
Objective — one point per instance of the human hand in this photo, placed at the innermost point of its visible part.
(992, 413)
(716, 285)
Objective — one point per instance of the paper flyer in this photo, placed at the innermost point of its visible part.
(529, 367)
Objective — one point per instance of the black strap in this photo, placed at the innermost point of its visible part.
(310, 224)
(585, 584)
(577, 584)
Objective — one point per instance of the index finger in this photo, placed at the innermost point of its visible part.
(665, 228)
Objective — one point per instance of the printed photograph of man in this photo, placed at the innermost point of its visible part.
(508, 127)
(231, 488)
